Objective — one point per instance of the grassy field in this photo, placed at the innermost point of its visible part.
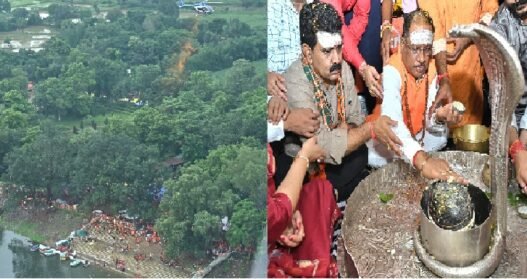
(255, 17)
(30, 3)
(123, 112)
(227, 9)
(23, 227)
(260, 67)
(42, 226)
(45, 3)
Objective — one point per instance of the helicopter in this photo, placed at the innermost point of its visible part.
(202, 7)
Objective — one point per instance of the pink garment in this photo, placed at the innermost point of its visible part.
(352, 33)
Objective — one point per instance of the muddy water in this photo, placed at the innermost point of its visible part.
(16, 260)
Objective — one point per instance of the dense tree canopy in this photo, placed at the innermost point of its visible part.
(125, 107)
(221, 185)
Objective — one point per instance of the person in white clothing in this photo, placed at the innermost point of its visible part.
(283, 47)
(410, 87)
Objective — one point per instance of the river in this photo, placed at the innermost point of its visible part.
(17, 261)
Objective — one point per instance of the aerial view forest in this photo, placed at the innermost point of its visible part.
(148, 112)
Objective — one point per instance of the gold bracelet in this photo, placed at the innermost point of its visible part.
(303, 157)
(386, 26)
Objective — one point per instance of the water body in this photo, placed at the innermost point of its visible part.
(17, 261)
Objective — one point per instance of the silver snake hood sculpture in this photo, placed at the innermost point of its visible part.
(506, 86)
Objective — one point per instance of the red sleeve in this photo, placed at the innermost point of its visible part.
(279, 214)
(352, 33)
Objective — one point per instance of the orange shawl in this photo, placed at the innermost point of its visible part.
(416, 95)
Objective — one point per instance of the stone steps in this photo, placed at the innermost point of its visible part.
(102, 251)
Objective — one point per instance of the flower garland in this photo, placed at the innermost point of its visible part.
(406, 110)
(321, 102)
(325, 109)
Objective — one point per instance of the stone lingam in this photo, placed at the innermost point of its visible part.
(455, 227)
(449, 206)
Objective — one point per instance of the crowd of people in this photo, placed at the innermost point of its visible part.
(353, 85)
(114, 225)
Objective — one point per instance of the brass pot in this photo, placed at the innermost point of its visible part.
(472, 137)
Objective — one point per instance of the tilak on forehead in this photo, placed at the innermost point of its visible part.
(421, 37)
(328, 40)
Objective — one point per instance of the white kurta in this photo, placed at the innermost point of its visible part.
(435, 135)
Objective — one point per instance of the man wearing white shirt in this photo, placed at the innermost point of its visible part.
(283, 47)
(410, 87)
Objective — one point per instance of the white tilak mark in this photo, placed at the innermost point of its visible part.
(421, 37)
(328, 40)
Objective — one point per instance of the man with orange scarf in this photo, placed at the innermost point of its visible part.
(410, 87)
(464, 69)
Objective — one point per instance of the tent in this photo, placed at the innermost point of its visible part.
(81, 233)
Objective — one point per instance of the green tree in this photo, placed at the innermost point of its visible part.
(157, 128)
(142, 51)
(122, 173)
(17, 81)
(34, 19)
(114, 15)
(168, 7)
(5, 6)
(210, 189)
(142, 79)
(20, 13)
(152, 23)
(247, 3)
(107, 74)
(17, 112)
(241, 77)
(246, 224)
(59, 12)
(69, 94)
(206, 227)
(41, 164)
(56, 46)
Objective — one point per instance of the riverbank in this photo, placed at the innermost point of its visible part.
(48, 226)
(41, 225)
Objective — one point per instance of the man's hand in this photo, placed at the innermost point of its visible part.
(444, 95)
(448, 114)
(523, 136)
(382, 127)
(520, 164)
(303, 122)
(436, 168)
(294, 234)
(460, 45)
(277, 110)
(372, 79)
(385, 45)
(276, 85)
